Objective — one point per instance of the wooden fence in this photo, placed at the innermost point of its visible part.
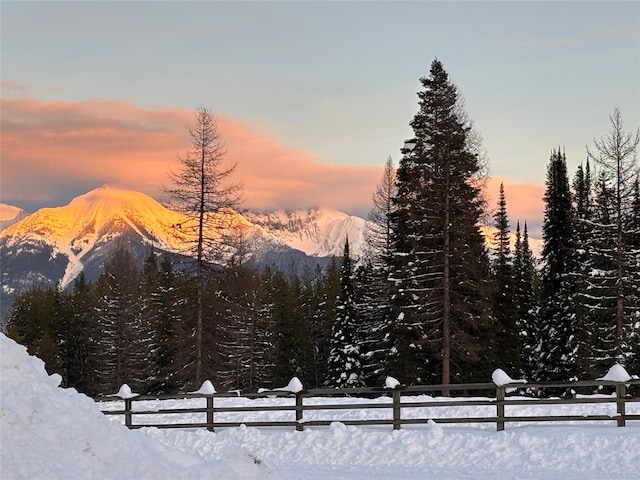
(399, 399)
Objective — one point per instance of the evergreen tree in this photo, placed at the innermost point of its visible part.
(557, 342)
(79, 329)
(504, 343)
(345, 366)
(292, 345)
(35, 322)
(320, 309)
(525, 291)
(590, 336)
(241, 338)
(597, 293)
(123, 340)
(159, 307)
(632, 292)
(371, 301)
(371, 288)
(439, 264)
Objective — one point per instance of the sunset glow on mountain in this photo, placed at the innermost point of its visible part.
(93, 143)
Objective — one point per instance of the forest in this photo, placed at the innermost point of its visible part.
(428, 302)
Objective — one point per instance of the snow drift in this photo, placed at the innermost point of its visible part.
(52, 433)
(47, 432)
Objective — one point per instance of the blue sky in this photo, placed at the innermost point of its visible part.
(339, 79)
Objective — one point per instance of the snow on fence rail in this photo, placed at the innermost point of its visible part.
(402, 405)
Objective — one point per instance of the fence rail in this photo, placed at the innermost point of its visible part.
(499, 401)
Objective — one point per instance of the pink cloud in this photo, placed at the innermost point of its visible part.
(524, 202)
(49, 146)
(59, 149)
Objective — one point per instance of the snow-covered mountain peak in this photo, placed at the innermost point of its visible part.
(316, 231)
(90, 221)
(10, 215)
(94, 214)
(9, 212)
(56, 244)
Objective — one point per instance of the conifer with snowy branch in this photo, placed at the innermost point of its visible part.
(439, 266)
(345, 366)
(556, 350)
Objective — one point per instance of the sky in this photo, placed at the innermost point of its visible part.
(311, 97)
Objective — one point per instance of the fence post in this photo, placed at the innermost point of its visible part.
(620, 402)
(210, 413)
(299, 412)
(396, 409)
(127, 413)
(500, 390)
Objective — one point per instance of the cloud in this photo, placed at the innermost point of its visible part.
(55, 150)
(8, 84)
(524, 202)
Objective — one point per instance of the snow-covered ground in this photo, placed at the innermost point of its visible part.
(51, 433)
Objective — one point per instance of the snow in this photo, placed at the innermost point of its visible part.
(294, 386)
(10, 215)
(206, 388)
(125, 392)
(47, 432)
(8, 212)
(617, 373)
(391, 382)
(52, 433)
(500, 378)
(315, 231)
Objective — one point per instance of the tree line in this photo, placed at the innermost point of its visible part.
(427, 302)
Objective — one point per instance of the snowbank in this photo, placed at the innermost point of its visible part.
(49, 433)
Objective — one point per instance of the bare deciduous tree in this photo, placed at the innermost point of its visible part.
(378, 231)
(202, 191)
(616, 154)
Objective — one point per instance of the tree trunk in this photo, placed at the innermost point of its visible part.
(619, 260)
(446, 311)
(199, 271)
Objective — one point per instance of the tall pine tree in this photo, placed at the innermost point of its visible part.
(556, 341)
(526, 291)
(504, 343)
(345, 365)
(439, 265)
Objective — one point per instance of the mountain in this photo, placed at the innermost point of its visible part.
(53, 245)
(314, 231)
(10, 215)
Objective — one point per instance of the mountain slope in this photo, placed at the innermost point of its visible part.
(314, 231)
(10, 215)
(53, 245)
(88, 223)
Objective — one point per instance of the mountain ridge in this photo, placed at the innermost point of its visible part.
(53, 245)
